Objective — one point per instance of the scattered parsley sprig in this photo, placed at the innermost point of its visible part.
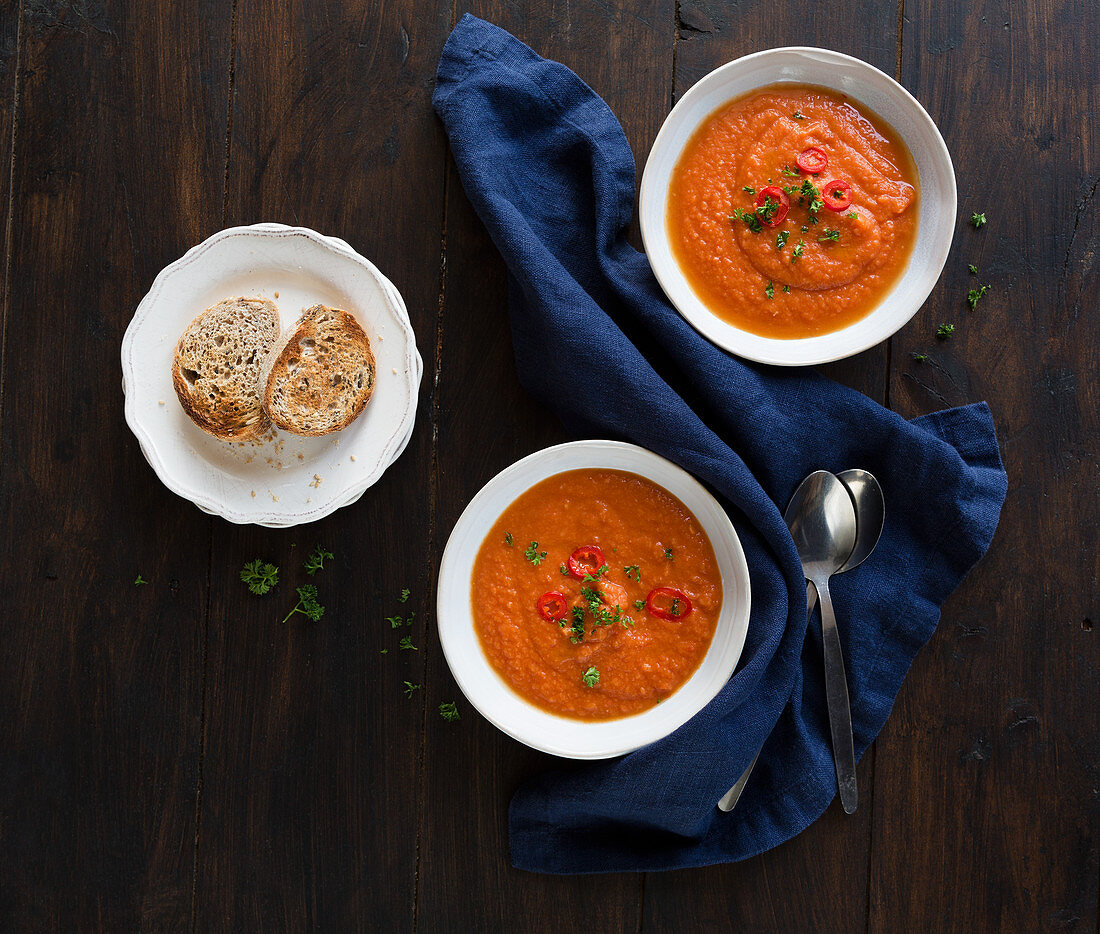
(449, 712)
(316, 561)
(533, 554)
(259, 576)
(307, 604)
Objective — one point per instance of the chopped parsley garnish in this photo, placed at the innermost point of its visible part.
(830, 233)
(578, 624)
(508, 539)
(639, 604)
(781, 239)
(798, 250)
(316, 561)
(407, 644)
(307, 604)
(396, 622)
(973, 269)
(853, 214)
(449, 712)
(753, 222)
(674, 607)
(668, 553)
(798, 115)
(533, 554)
(808, 192)
(920, 357)
(974, 294)
(259, 576)
(591, 677)
(564, 569)
(944, 331)
(769, 290)
(410, 687)
(139, 580)
(786, 290)
(767, 210)
(404, 595)
(634, 572)
(591, 578)
(789, 173)
(977, 221)
(748, 189)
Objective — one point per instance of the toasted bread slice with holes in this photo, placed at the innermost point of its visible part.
(217, 363)
(320, 375)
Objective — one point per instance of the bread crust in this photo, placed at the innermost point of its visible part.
(216, 364)
(320, 375)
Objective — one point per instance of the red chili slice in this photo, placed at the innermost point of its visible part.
(813, 160)
(668, 603)
(552, 606)
(837, 195)
(587, 559)
(779, 196)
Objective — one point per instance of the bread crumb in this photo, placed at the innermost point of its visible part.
(276, 294)
(301, 457)
(253, 494)
(353, 457)
(274, 498)
(160, 402)
(395, 371)
(316, 481)
(271, 460)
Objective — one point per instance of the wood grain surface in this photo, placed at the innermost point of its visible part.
(173, 757)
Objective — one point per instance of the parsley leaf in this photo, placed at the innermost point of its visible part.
(974, 294)
(508, 539)
(973, 269)
(798, 115)
(977, 221)
(639, 604)
(591, 677)
(944, 331)
(781, 239)
(316, 561)
(407, 643)
(396, 622)
(830, 233)
(748, 189)
(410, 687)
(139, 580)
(533, 554)
(564, 569)
(769, 290)
(786, 290)
(920, 357)
(449, 712)
(789, 173)
(668, 553)
(404, 595)
(259, 576)
(307, 604)
(798, 250)
(633, 571)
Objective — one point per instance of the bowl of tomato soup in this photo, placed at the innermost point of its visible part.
(592, 598)
(798, 206)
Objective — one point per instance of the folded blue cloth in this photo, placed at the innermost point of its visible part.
(547, 168)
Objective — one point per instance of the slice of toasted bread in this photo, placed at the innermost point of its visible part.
(216, 367)
(320, 375)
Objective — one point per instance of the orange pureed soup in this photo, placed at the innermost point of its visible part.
(596, 594)
(792, 211)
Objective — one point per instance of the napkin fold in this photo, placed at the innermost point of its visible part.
(548, 169)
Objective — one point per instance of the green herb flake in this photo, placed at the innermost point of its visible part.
(139, 580)
(798, 115)
(920, 357)
(829, 233)
(748, 189)
(449, 712)
(404, 598)
(316, 561)
(798, 250)
(406, 643)
(639, 604)
(410, 688)
(259, 576)
(974, 294)
(564, 569)
(788, 172)
(533, 554)
(786, 290)
(977, 221)
(634, 572)
(769, 290)
(591, 677)
(944, 331)
(307, 604)
(668, 553)
(781, 239)
(973, 269)
(508, 540)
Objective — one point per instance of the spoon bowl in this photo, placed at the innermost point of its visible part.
(870, 513)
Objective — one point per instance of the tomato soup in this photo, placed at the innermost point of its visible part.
(792, 211)
(596, 594)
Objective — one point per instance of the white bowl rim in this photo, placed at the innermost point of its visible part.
(777, 351)
(525, 722)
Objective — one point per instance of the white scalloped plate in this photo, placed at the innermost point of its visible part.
(286, 480)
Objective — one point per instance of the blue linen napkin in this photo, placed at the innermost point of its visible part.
(549, 171)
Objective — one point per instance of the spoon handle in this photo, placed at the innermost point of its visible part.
(836, 692)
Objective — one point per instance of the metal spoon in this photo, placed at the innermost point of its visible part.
(822, 518)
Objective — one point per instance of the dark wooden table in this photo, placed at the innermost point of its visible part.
(171, 758)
